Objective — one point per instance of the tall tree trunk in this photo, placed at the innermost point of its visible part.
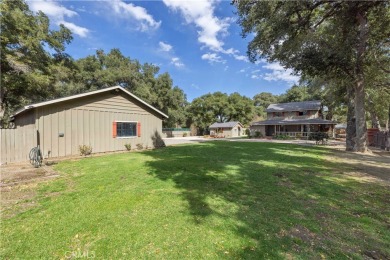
(360, 115)
(351, 120)
(361, 129)
(375, 121)
(388, 120)
(373, 115)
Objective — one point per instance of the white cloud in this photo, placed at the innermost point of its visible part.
(212, 29)
(81, 31)
(213, 58)
(57, 14)
(201, 13)
(130, 11)
(165, 46)
(176, 61)
(241, 57)
(51, 9)
(279, 73)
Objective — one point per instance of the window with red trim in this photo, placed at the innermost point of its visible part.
(125, 129)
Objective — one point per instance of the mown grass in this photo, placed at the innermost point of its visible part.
(210, 200)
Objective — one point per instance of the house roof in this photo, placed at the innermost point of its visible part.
(31, 106)
(225, 125)
(313, 121)
(295, 106)
(341, 126)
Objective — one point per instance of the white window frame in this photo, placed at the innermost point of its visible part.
(127, 137)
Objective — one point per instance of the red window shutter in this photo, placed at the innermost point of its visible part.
(297, 113)
(308, 112)
(114, 129)
(273, 114)
(139, 129)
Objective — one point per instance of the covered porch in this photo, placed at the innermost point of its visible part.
(299, 131)
(295, 128)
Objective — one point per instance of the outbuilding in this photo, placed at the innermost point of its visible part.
(105, 119)
(227, 129)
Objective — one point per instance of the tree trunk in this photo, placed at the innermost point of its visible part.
(374, 116)
(360, 114)
(375, 121)
(388, 120)
(351, 120)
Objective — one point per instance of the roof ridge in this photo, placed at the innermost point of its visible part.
(53, 101)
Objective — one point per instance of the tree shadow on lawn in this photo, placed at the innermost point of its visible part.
(282, 200)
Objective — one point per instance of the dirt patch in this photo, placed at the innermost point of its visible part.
(374, 254)
(303, 234)
(370, 167)
(18, 187)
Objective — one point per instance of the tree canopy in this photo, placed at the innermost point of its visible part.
(330, 39)
(220, 107)
(26, 63)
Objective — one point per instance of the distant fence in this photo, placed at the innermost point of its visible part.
(17, 143)
(381, 140)
(176, 132)
(176, 129)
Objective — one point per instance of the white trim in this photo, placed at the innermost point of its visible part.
(84, 95)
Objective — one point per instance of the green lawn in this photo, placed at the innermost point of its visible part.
(211, 200)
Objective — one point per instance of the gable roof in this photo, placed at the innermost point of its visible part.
(311, 121)
(85, 95)
(295, 106)
(225, 125)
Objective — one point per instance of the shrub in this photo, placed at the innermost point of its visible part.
(282, 137)
(85, 149)
(258, 134)
(319, 137)
(248, 132)
(140, 146)
(184, 134)
(157, 140)
(128, 147)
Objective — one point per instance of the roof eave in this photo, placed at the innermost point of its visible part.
(84, 95)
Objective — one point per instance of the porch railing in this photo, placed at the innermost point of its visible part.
(294, 134)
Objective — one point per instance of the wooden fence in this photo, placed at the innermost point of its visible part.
(382, 140)
(17, 143)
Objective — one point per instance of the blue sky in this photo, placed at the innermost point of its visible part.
(197, 42)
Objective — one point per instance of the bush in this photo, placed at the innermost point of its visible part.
(258, 134)
(319, 137)
(184, 134)
(85, 149)
(282, 137)
(128, 147)
(248, 132)
(140, 146)
(157, 140)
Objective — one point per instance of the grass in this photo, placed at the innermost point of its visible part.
(211, 200)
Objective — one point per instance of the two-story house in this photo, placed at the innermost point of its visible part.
(296, 119)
